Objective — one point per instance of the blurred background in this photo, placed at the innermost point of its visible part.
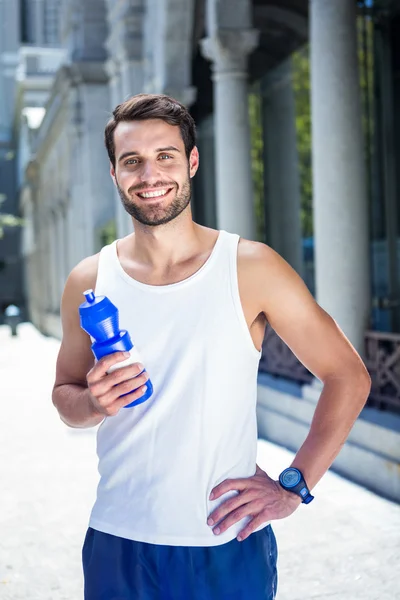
(297, 105)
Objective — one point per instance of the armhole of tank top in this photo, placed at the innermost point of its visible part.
(105, 264)
(237, 303)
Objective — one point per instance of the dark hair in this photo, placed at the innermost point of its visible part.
(152, 106)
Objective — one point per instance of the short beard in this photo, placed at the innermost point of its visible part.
(152, 216)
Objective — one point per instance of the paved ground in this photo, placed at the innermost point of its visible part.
(345, 545)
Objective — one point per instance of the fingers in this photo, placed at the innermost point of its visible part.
(101, 367)
(264, 500)
(227, 507)
(252, 526)
(111, 403)
(125, 387)
(248, 509)
(237, 484)
(235, 513)
(100, 383)
(121, 402)
(255, 493)
(106, 389)
(227, 486)
(231, 512)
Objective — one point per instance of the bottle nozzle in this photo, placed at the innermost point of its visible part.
(89, 295)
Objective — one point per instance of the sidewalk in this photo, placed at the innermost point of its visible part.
(345, 545)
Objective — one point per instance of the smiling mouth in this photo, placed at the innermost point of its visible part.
(154, 194)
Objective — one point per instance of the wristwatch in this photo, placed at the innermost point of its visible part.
(292, 480)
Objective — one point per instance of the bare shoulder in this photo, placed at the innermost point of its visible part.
(267, 276)
(82, 277)
(259, 257)
(85, 271)
(283, 297)
(279, 287)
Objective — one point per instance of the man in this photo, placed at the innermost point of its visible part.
(183, 512)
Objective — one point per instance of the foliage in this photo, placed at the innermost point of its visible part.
(108, 233)
(301, 90)
(257, 162)
(7, 220)
(301, 87)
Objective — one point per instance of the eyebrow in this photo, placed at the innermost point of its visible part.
(134, 153)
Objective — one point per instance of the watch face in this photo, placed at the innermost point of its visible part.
(290, 478)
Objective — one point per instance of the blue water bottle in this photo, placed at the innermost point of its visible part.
(99, 318)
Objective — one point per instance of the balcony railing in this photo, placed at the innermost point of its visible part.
(36, 61)
(382, 358)
(278, 359)
(383, 363)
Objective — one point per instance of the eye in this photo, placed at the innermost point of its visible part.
(163, 156)
(131, 161)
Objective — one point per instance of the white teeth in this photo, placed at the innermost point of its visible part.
(153, 194)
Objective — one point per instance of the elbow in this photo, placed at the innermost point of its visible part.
(56, 398)
(364, 381)
(354, 376)
(361, 388)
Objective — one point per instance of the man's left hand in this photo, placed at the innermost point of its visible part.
(260, 497)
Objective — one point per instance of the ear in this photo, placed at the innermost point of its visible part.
(112, 173)
(194, 160)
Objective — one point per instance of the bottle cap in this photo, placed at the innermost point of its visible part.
(99, 317)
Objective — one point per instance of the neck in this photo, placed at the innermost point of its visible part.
(165, 245)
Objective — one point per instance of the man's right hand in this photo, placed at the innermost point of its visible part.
(105, 390)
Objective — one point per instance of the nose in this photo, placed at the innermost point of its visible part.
(149, 171)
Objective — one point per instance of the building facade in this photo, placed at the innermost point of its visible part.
(30, 55)
(11, 288)
(226, 60)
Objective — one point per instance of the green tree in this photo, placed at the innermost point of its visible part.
(257, 162)
(301, 86)
(301, 89)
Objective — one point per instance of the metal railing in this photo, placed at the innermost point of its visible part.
(383, 363)
(278, 359)
(382, 359)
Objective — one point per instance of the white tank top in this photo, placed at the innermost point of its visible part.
(159, 461)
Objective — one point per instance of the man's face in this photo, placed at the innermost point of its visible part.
(152, 172)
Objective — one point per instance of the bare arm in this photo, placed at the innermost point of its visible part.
(269, 286)
(318, 342)
(83, 393)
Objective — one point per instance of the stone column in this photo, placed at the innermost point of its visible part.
(131, 78)
(204, 182)
(281, 173)
(79, 212)
(228, 48)
(61, 251)
(340, 197)
(68, 240)
(131, 82)
(41, 273)
(53, 285)
(119, 93)
(125, 70)
(45, 295)
(73, 239)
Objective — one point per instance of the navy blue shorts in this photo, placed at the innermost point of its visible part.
(120, 569)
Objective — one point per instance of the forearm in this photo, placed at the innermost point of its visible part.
(74, 406)
(340, 403)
